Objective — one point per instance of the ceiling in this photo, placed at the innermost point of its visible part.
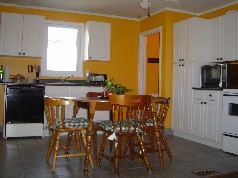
(123, 8)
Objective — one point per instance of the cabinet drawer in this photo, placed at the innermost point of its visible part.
(206, 94)
(56, 90)
(198, 94)
(211, 95)
(79, 90)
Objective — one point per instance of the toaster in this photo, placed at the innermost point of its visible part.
(97, 78)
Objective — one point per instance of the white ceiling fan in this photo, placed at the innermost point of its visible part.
(146, 4)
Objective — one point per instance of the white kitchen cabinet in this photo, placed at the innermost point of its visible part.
(21, 35)
(224, 38)
(97, 41)
(191, 40)
(207, 113)
(181, 97)
(191, 48)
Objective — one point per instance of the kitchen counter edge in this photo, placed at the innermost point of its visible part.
(199, 88)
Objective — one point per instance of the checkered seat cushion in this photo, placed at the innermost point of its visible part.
(107, 125)
(72, 123)
(150, 123)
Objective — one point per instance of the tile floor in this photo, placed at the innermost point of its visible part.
(25, 158)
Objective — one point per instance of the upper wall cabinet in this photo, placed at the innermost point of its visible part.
(97, 41)
(191, 40)
(21, 35)
(224, 40)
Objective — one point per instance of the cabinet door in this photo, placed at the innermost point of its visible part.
(177, 108)
(211, 120)
(33, 36)
(215, 40)
(182, 97)
(228, 36)
(97, 46)
(223, 38)
(188, 39)
(236, 37)
(186, 86)
(198, 117)
(11, 34)
(178, 42)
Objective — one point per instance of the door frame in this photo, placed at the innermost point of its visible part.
(142, 59)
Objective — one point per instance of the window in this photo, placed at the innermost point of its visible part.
(63, 54)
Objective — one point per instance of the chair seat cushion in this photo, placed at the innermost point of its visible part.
(107, 126)
(73, 123)
(149, 123)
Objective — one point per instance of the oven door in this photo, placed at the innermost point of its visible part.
(230, 114)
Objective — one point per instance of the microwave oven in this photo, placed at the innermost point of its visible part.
(224, 75)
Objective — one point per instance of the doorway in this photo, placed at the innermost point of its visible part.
(143, 60)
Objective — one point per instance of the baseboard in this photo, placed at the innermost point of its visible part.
(193, 138)
(168, 131)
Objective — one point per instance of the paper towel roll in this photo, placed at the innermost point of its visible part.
(6, 74)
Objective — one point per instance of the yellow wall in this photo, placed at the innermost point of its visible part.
(219, 12)
(152, 69)
(124, 46)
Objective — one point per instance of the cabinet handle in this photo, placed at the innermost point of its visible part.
(89, 57)
(182, 64)
(23, 53)
(220, 59)
(201, 102)
(180, 59)
(19, 53)
(205, 102)
(210, 95)
(179, 65)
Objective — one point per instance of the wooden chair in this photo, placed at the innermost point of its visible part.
(57, 124)
(155, 129)
(128, 114)
(160, 106)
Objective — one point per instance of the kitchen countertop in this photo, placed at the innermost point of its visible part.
(51, 82)
(212, 88)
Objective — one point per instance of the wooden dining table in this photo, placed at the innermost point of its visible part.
(92, 104)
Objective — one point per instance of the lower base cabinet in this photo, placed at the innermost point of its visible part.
(74, 91)
(206, 119)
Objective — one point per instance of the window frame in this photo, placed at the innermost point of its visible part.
(80, 50)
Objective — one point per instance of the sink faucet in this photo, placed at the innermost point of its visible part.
(63, 79)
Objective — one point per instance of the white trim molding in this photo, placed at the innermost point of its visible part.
(142, 59)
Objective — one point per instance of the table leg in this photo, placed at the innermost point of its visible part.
(91, 113)
(75, 110)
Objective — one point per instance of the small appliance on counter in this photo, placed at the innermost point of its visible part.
(221, 75)
(96, 78)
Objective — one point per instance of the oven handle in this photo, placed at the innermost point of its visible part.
(230, 95)
(229, 135)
